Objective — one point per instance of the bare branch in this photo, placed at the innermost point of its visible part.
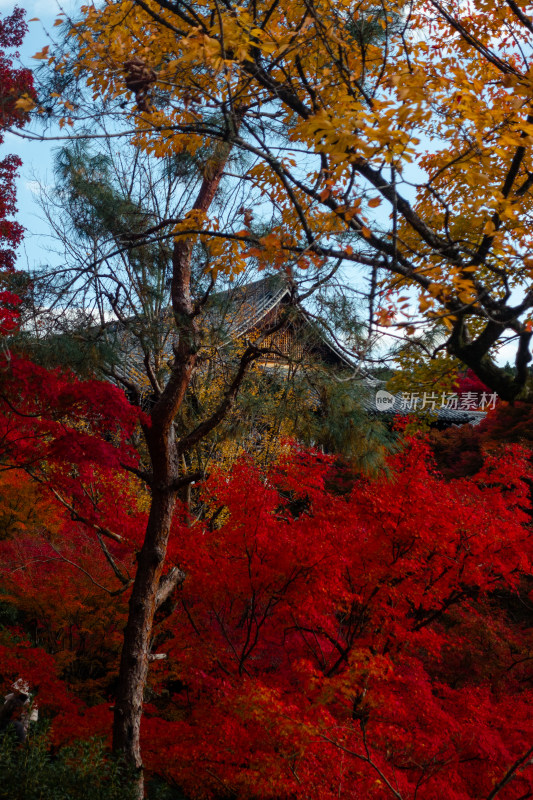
(168, 584)
(511, 772)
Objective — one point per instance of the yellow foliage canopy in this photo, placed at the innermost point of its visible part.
(349, 112)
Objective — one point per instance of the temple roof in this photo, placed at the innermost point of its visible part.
(241, 309)
(252, 304)
(247, 305)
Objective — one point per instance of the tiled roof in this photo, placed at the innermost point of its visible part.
(246, 306)
(243, 308)
(235, 311)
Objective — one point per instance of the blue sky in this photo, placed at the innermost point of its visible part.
(36, 156)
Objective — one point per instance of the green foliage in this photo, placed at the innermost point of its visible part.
(339, 423)
(80, 349)
(369, 26)
(32, 772)
(9, 614)
(157, 789)
(96, 205)
(99, 208)
(424, 366)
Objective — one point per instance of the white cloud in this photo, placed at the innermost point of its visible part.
(33, 186)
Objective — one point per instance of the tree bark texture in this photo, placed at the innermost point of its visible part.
(164, 451)
(137, 635)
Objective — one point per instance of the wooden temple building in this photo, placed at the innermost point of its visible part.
(248, 312)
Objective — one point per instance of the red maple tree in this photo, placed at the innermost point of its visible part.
(371, 645)
(14, 83)
(66, 435)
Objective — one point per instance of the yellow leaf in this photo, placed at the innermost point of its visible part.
(42, 53)
(375, 202)
(424, 303)
(466, 297)
(25, 103)
(435, 289)
(448, 321)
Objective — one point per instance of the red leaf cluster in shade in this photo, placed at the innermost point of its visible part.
(469, 382)
(73, 438)
(70, 606)
(459, 450)
(51, 415)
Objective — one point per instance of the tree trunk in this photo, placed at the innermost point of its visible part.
(134, 662)
(165, 454)
(136, 649)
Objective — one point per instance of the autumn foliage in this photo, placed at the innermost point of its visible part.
(371, 645)
(333, 102)
(13, 84)
(62, 443)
